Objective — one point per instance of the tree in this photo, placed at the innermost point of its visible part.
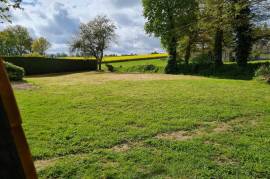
(15, 40)
(164, 20)
(94, 37)
(243, 30)
(247, 14)
(215, 20)
(40, 46)
(6, 6)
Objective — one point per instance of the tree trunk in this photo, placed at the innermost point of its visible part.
(188, 51)
(243, 31)
(218, 47)
(173, 49)
(99, 65)
(243, 45)
(172, 62)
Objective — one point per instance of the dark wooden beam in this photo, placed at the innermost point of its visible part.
(15, 157)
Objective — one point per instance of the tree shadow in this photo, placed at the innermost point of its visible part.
(59, 74)
(226, 71)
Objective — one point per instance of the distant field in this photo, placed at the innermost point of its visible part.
(124, 58)
(157, 62)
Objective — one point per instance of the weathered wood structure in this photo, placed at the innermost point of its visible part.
(15, 157)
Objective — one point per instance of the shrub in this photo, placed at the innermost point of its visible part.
(33, 55)
(263, 72)
(202, 59)
(110, 68)
(141, 69)
(172, 66)
(15, 73)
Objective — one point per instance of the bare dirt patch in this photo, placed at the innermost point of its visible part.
(224, 160)
(213, 127)
(223, 127)
(126, 146)
(43, 164)
(179, 136)
(22, 86)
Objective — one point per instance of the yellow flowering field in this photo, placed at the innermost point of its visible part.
(123, 58)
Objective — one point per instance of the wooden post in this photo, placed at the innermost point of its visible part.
(15, 157)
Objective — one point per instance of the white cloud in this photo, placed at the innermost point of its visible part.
(57, 20)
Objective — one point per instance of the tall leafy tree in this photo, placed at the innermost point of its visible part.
(40, 46)
(15, 40)
(215, 20)
(164, 20)
(243, 30)
(247, 14)
(94, 37)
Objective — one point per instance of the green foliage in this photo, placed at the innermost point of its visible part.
(41, 65)
(40, 46)
(202, 59)
(94, 37)
(171, 67)
(15, 73)
(168, 21)
(110, 68)
(149, 68)
(15, 40)
(33, 55)
(263, 72)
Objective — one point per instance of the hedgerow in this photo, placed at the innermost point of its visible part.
(15, 73)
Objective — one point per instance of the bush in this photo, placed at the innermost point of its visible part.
(141, 69)
(202, 59)
(110, 68)
(15, 73)
(263, 72)
(172, 66)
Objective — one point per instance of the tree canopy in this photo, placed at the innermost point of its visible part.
(40, 46)
(15, 40)
(94, 37)
(213, 27)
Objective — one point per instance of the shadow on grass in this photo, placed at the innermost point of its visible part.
(226, 71)
(60, 74)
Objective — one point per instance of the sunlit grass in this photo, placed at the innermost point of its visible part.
(94, 125)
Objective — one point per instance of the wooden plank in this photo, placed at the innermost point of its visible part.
(15, 157)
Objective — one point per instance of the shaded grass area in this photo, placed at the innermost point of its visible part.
(106, 126)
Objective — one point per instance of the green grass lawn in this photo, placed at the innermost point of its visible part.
(123, 66)
(91, 125)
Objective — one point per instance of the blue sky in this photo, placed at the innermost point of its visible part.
(58, 20)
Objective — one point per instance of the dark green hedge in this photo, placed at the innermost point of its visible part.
(41, 65)
(228, 71)
(15, 73)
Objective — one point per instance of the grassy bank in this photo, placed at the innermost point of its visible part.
(229, 70)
